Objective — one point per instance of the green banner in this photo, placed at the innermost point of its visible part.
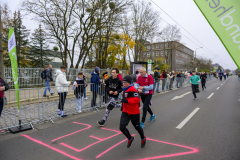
(13, 56)
(223, 16)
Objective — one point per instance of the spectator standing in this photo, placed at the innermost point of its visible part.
(156, 80)
(78, 88)
(3, 87)
(62, 89)
(48, 79)
(134, 76)
(85, 87)
(164, 78)
(120, 75)
(95, 83)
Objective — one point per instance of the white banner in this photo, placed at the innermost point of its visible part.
(11, 42)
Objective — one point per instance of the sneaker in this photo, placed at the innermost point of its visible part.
(80, 111)
(45, 96)
(130, 142)
(86, 98)
(143, 142)
(195, 99)
(152, 118)
(158, 92)
(64, 115)
(142, 125)
(101, 123)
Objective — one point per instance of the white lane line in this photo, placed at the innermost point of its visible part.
(187, 119)
(210, 96)
(218, 88)
(181, 96)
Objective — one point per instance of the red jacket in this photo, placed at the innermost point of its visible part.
(132, 107)
(120, 77)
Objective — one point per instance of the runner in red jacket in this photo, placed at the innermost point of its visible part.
(131, 111)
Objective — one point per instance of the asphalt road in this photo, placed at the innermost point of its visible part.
(205, 129)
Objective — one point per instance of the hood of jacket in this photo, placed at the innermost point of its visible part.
(94, 73)
(58, 72)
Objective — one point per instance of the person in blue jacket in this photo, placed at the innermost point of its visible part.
(95, 83)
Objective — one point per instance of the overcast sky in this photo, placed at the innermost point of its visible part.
(184, 12)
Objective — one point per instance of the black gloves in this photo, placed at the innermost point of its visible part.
(124, 100)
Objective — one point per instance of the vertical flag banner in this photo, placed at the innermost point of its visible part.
(223, 16)
(13, 57)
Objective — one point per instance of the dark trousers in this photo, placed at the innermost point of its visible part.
(146, 101)
(135, 119)
(94, 98)
(1, 108)
(105, 97)
(62, 98)
(203, 83)
(220, 78)
(194, 89)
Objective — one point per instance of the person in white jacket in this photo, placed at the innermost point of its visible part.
(62, 89)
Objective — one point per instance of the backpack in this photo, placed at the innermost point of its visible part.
(43, 74)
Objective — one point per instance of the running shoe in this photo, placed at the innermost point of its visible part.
(195, 99)
(101, 123)
(130, 142)
(142, 125)
(152, 118)
(143, 142)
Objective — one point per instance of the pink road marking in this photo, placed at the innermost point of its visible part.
(112, 147)
(100, 140)
(96, 138)
(55, 149)
(171, 155)
(89, 126)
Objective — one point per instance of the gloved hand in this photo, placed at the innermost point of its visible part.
(124, 100)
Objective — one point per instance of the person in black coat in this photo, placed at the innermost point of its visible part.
(203, 78)
(3, 87)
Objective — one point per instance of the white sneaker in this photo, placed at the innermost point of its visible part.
(86, 98)
(80, 111)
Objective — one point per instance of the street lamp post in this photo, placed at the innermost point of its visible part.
(195, 63)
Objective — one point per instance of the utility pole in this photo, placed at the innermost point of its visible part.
(1, 48)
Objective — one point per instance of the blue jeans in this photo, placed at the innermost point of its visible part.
(154, 86)
(84, 93)
(47, 87)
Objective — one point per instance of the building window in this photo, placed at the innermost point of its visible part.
(157, 46)
(148, 54)
(162, 46)
(166, 45)
(148, 47)
(157, 53)
(152, 46)
(161, 53)
(144, 54)
(166, 53)
(153, 54)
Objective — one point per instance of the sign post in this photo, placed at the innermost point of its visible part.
(13, 57)
(149, 66)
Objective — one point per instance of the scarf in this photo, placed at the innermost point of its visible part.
(124, 89)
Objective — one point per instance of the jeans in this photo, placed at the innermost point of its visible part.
(84, 93)
(94, 98)
(47, 87)
(146, 108)
(163, 84)
(1, 108)
(178, 80)
(156, 83)
(79, 103)
(62, 98)
(167, 86)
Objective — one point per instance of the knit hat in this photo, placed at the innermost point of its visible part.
(128, 79)
(104, 73)
(97, 69)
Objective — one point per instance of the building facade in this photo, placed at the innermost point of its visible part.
(177, 55)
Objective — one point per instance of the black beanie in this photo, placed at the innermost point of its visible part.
(128, 79)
